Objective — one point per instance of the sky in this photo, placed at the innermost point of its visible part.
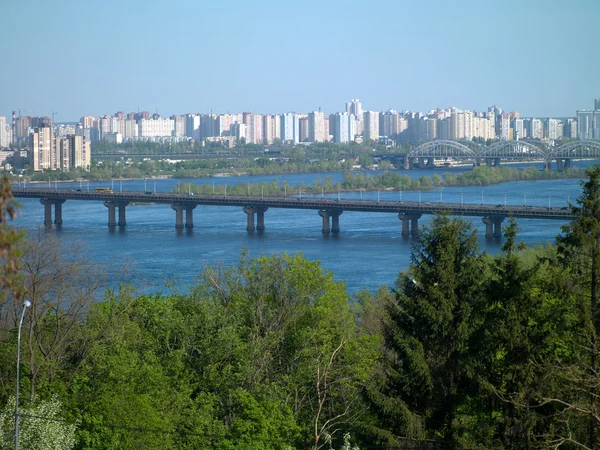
(79, 57)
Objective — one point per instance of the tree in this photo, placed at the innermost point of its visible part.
(42, 426)
(61, 283)
(9, 239)
(427, 378)
(579, 252)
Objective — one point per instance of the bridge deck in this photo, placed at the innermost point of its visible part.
(466, 209)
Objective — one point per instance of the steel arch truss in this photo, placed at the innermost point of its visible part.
(514, 150)
(577, 150)
(443, 149)
(475, 146)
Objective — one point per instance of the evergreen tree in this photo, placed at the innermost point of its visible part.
(427, 375)
(579, 252)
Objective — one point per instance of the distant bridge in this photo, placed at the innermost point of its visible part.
(466, 151)
(254, 206)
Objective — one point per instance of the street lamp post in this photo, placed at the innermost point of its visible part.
(549, 197)
(26, 304)
(361, 189)
(400, 194)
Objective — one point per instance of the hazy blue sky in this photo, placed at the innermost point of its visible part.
(76, 57)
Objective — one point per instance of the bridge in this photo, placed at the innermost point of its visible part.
(328, 209)
(524, 150)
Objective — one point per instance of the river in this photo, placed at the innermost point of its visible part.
(369, 252)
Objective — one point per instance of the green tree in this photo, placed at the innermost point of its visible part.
(428, 375)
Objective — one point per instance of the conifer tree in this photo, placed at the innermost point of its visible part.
(427, 374)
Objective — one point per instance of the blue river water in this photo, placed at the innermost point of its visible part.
(369, 251)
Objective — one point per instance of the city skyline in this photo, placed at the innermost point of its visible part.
(74, 57)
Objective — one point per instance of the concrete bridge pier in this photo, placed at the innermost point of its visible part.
(189, 215)
(493, 226)
(48, 211)
(260, 217)
(335, 220)
(410, 224)
(112, 205)
(122, 222)
(562, 164)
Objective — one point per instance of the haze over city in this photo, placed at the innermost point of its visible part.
(77, 58)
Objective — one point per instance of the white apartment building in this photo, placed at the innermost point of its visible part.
(371, 126)
(160, 127)
(316, 127)
(4, 138)
(42, 149)
(290, 128)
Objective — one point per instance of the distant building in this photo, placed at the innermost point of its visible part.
(343, 127)
(588, 124)
(371, 126)
(303, 128)
(4, 135)
(290, 128)
(156, 127)
(113, 138)
(192, 126)
(316, 127)
(41, 149)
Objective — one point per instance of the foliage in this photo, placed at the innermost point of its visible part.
(428, 372)
(41, 427)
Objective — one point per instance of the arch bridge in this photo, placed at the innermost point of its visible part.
(426, 154)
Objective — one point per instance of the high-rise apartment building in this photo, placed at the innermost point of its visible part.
(80, 152)
(371, 126)
(160, 127)
(518, 129)
(389, 124)
(4, 139)
(343, 127)
(588, 124)
(290, 128)
(553, 128)
(41, 148)
(597, 104)
(354, 107)
(316, 127)
(192, 126)
(570, 129)
(271, 128)
(179, 126)
(303, 128)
